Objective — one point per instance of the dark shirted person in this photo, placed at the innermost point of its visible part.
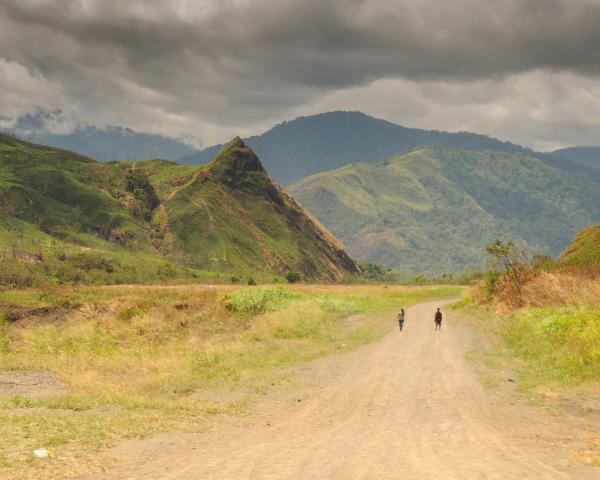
(438, 319)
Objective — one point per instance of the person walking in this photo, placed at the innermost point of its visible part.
(438, 319)
(401, 319)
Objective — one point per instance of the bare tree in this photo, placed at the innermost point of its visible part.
(512, 258)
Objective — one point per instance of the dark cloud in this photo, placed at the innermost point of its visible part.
(218, 66)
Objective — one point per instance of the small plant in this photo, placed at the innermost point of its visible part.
(251, 281)
(293, 276)
(200, 359)
(257, 300)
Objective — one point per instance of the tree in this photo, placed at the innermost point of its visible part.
(512, 258)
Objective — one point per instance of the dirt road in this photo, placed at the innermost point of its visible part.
(407, 407)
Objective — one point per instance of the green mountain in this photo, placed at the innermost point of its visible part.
(317, 143)
(230, 214)
(157, 216)
(584, 156)
(434, 209)
(584, 250)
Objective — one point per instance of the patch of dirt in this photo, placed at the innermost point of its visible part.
(51, 313)
(30, 383)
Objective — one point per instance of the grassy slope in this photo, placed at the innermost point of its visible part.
(135, 365)
(584, 250)
(434, 209)
(60, 191)
(241, 221)
(150, 219)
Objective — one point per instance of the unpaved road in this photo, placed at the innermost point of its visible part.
(407, 407)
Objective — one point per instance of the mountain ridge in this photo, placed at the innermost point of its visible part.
(434, 209)
(311, 144)
(109, 143)
(586, 156)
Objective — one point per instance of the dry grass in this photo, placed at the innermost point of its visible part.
(140, 360)
(557, 288)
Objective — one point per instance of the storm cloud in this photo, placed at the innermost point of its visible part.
(524, 70)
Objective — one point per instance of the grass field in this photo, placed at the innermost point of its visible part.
(135, 361)
(552, 342)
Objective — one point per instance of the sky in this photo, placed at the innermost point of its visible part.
(527, 71)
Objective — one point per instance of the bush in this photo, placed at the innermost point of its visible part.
(91, 261)
(373, 271)
(491, 278)
(257, 300)
(17, 275)
(293, 277)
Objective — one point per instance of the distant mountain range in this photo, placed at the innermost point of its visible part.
(318, 143)
(584, 156)
(418, 200)
(110, 143)
(434, 209)
(227, 216)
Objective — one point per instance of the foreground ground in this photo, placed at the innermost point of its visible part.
(408, 406)
(85, 368)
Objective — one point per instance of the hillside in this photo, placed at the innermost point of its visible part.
(434, 209)
(155, 219)
(585, 156)
(103, 144)
(584, 250)
(317, 143)
(241, 220)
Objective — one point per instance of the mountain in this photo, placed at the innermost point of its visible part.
(228, 216)
(434, 209)
(585, 156)
(317, 143)
(240, 218)
(104, 144)
(584, 250)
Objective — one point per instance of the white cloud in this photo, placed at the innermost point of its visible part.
(22, 89)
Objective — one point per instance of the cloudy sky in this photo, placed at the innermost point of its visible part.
(522, 70)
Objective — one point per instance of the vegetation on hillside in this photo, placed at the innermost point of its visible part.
(152, 220)
(241, 220)
(584, 250)
(585, 156)
(435, 209)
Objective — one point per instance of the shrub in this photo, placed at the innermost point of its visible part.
(14, 274)
(257, 300)
(293, 276)
(200, 358)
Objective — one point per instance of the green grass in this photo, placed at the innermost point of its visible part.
(142, 360)
(152, 221)
(559, 345)
(547, 349)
